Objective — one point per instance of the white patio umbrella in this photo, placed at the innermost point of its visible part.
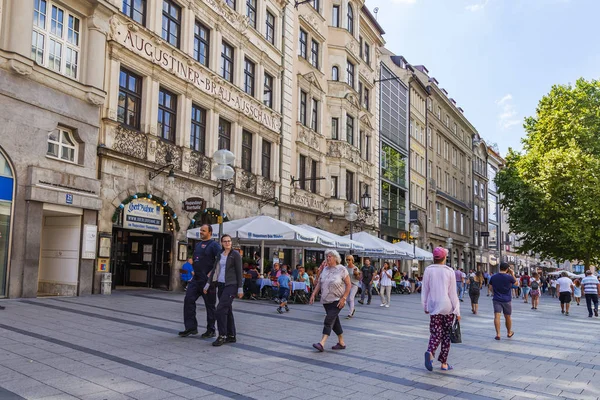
(340, 241)
(419, 254)
(373, 246)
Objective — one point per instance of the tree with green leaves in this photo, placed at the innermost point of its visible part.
(552, 188)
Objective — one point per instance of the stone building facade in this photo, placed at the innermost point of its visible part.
(480, 216)
(495, 240)
(51, 90)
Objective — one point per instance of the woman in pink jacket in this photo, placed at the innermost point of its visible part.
(440, 301)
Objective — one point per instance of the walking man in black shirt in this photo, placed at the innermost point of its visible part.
(367, 272)
(205, 255)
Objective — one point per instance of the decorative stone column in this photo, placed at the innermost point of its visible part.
(96, 45)
(21, 28)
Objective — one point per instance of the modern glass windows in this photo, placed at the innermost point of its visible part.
(492, 207)
(335, 128)
(6, 198)
(167, 114)
(266, 159)
(303, 105)
(171, 22)
(268, 91)
(130, 99)
(249, 68)
(335, 73)
(350, 20)
(62, 145)
(134, 9)
(314, 53)
(314, 121)
(393, 165)
(335, 16)
(55, 40)
(393, 109)
(201, 43)
(349, 186)
(393, 198)
(303, 44)
(251, 12)
(270, 29)
(491, 177)
(350, 74)
(350, 129)
(227, 62)
(224, 134)
(198, 132)
(246, 151)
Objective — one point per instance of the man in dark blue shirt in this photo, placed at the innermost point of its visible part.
(205, 254)
(501, 285)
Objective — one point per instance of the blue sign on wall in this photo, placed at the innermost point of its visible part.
(69, 198)
(6, 188)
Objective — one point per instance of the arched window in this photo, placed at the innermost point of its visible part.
(62, 145)
(6, 198)
(350, 19)
(335, 73)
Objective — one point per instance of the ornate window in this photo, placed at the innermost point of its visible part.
(167, 114)
(350, 74)
(171, 22)
(251, 12)
(224, 134)
(266, 159)
(130, 99)
(62, 145)
(268, 91)
(303, 44)
(247, 151)
(335, 16)
(350, 20)
(314, 53)
(314, 122)
(270, 31)
(350, 129)
(335, 73)
(303, 107)
(201, 43)
(249, 68)
(198, 132)
(227, 62)
(136, 10)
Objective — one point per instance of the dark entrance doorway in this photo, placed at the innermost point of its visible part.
(141, 259)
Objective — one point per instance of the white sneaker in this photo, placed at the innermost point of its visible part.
(387, 306)
(382, 305)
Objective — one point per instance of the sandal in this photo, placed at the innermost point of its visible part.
(319, 347)
(497, 338)
(428, 361)
(510, 334)
(338, 347)
(450, 367)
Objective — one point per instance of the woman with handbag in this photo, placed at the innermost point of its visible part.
(440, 301)
(227, 275)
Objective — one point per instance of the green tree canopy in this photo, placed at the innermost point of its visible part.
(552, 188)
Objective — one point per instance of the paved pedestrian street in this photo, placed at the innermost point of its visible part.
(125, 346)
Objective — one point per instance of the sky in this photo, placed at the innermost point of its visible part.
(496, 58)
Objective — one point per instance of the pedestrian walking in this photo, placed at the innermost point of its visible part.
(502, 284)
(552, 287)
(440, 300)
(354, 274)
(204, 257)
(577, 291)
(187, 272)
(334, 285)
(386, 285)
(591, 288)
(284, 290)
(535, 291)
(460, 277)
(564, 286)
(367, 273)
(525, 282)
(475, 284)
(227, 275)
(544, 284)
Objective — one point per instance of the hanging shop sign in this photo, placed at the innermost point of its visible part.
(144, 215)
(194, 204)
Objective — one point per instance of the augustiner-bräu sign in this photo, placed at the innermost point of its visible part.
(142, 44)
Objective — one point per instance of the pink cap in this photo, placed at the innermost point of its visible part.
(439, 253)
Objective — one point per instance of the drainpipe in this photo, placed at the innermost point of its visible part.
(282, 86)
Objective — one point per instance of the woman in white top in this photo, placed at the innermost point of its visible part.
(354, 280)
(386, 285)
(440, 301)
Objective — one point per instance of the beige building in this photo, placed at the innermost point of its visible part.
(51, 90)
(480, 215)
(449, 156)
(495, 241)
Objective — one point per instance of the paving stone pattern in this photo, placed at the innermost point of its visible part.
(125, 346)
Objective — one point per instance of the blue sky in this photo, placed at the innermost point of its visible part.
(496, 58)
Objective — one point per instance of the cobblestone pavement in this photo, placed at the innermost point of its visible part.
(126, 346)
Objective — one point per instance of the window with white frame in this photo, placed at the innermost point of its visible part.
(55, 41)
(62, 145)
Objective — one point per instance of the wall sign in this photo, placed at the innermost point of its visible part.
(194, 204)
(69, 198)
(90, 234)
(143, 215)
(145, 45)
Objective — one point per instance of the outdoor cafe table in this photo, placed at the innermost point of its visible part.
(299, 286)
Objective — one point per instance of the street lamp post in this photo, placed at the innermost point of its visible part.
(449, 246)
(465, 256)
(414, 232)
(223, 172)
(481, 255)
(351, 215)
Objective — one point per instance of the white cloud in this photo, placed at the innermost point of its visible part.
(477, 7)
(508, 114)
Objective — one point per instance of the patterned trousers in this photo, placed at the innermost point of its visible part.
(439, 330)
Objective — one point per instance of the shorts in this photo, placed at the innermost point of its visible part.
(501, 307)
(565, 297)
(284, 293)
(525, 290)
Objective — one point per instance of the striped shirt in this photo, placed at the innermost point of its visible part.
(590, 285)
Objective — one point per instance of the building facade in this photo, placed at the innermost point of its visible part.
(449, 168)
(480, 199)
(495, 240)
(51, 90)
(394, 149)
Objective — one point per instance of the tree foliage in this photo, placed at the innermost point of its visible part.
(552, 188)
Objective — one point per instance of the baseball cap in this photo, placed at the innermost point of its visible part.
(439, 253)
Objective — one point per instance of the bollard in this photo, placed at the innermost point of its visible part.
(106, 283)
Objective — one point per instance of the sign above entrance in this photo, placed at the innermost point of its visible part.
(194, 204)
(151, 48)
(144, 215)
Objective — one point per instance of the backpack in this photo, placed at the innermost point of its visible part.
(525, 282)
(473, 286)
(535, 285)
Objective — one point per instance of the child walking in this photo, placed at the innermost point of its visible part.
(284, 290)
(577, 291)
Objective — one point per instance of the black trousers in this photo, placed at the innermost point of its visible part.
(194, 290)
(589, 298)
(224, 312)
(332, 319)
